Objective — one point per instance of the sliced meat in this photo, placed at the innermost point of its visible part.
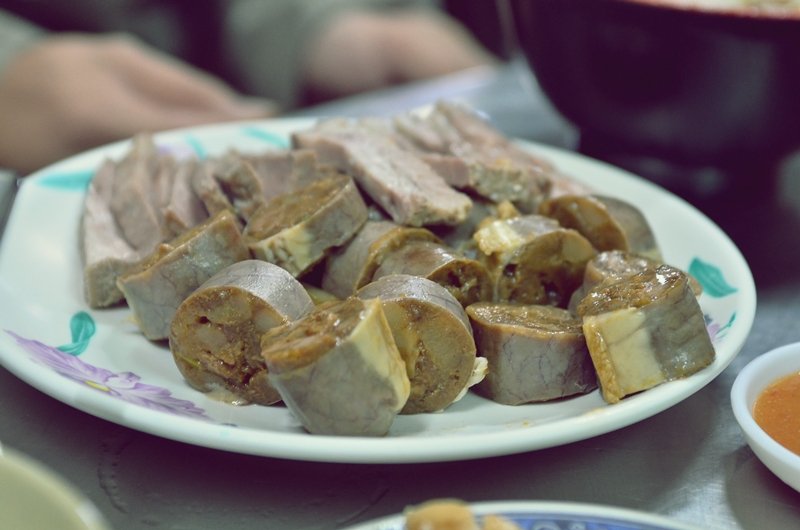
(184, 209)
(434, 338)
(241, 185)
(209, 190)
(215, 335)
(608, 223)
(353, 265)
(282, 172)
(338, 369)
(105, 252)
(644, 330)
(471, 154)
(299, 229)
(533, 260)
(156, 287)
(408, 189)
(535, 353)
(135, 200)
(466, 279)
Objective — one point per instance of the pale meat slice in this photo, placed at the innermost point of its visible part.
(644, 330)
(241, 185)
(353, 265)
(209, 190)
(433, 336)
(135, 200)
(535, 353)
(338, 369)
(533, 260)
(608, 223)
(156, 287)
(470, 153)
(243, 182)
(184, 209)
(284, 171)
(407, 188)
(163, 183)
(299, 229)
(215, 335)
(466, 279)
(105, 252)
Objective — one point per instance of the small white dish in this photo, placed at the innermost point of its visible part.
(751, 381)
(34, 498)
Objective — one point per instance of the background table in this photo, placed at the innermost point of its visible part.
(689, 462)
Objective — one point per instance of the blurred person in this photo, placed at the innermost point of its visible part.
(74, 75)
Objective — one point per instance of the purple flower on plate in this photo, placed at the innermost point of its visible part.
(126, 386)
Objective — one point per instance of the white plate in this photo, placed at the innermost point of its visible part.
(117, 375)
(544, 515)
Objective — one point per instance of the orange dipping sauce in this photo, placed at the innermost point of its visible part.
(777, 411)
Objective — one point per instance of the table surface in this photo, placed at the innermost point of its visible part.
(689, 462)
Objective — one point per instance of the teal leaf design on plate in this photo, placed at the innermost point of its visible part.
(196, 145)
(711, 278)
(268, 136)
(82, 328)
(68, 180)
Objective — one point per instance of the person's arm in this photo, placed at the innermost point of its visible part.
(15, 35)
(64, 93)
(289, 48)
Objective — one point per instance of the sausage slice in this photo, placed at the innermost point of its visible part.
(338, 369)
(215, 336)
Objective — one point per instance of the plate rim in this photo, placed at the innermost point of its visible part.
(546, 507)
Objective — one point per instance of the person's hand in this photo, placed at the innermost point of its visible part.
(69, 93)
(364, 50)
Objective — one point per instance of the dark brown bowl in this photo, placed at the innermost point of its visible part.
(697, 100)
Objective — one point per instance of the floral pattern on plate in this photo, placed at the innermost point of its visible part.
(126, 386)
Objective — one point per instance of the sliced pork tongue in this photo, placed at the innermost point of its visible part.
(209, 190)
(241, 182)
(135, 199)
(126, 215)
(184, 209)
(284, 171)
(471, 154)
(104, 250)
(407, 188)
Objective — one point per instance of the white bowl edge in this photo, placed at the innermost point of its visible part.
(750, 382)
